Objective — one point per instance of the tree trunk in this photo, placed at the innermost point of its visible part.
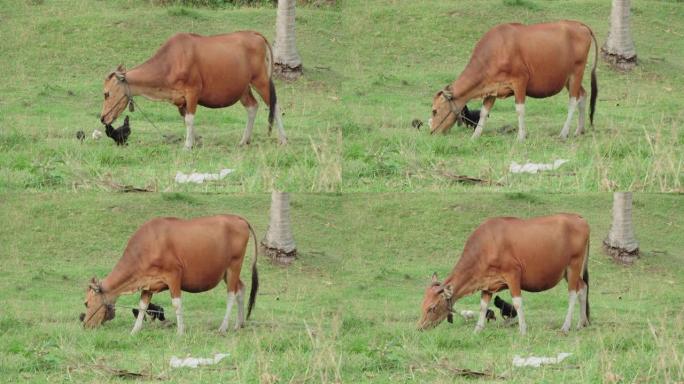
(288, 64)
(620, 242)
(278, 242)
(618, 49)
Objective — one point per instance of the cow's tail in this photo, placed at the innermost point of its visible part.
(271, 87)
(594, 83)
(585, 275)
(255, 274)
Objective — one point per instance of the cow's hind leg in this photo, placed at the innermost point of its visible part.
(487, 105)
(574, 85)
(265, 88)
(240, 296)
(572, 275)
(581, 109)
(251, 105)
(145, 297)
(583, 320)
(485, 297)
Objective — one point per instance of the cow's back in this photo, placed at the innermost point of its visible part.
(199, 249)
(540, 248)
(542, 54)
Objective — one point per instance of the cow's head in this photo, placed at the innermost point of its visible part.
(444, 111)
(98, 309)
(436, 305)
(116, 95)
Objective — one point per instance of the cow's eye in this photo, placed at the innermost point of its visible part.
(106, 95)
(434, 112)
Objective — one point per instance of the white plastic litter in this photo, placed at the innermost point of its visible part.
(535, 361)
(194, 362)
(535, 167)
(97, 134)
(468, 315)
(200, 178)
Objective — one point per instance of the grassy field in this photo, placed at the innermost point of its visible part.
(370, 68)
(346, 310)
(55, 57)
(403, 52)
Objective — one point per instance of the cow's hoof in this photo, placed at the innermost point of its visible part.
(283, 141)
(187, 148)
(244, 142)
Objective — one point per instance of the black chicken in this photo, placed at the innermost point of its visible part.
(119, 135)
(507, 310)
(156, 312)
(470, 118)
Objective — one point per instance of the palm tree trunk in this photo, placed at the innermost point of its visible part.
(278, 242)
(620, 242)
(288, 64)
(618, 49)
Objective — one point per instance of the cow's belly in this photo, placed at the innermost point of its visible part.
(537, 282)
(219, 99)
(545, 87)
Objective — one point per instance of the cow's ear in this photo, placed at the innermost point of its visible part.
(447, 292)
(120, 75)
(121, 68)
(434, 278)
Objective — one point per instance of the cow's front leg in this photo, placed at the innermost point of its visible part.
(176, 302)
(487, 105)
(484, 303)
(189, 131)
(145, 297)
(190, 109)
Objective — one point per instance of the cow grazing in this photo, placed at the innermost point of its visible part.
(178, 255)
(190, 70)
(522, 60)
(516, 254)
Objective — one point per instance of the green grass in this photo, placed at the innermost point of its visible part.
(404, 52)
(55, 57)
(346, 310)
(370, 68)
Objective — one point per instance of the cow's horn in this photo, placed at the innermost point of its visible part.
(447, 94)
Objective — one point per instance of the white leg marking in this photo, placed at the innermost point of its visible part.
(279, 124)
(581, 105)
(572, 297)
(517, 304)
(480, 124)
(572, 105)
(483, 316)
(240, 320)
(251, 114)
(190, 130)
(582, 321)
(229, 307)
(176, 302)
(520, 110)
(142, 307)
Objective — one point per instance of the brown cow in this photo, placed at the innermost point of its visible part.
(212, 71)
(178, 255)
(522, 60)
(516, 254)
